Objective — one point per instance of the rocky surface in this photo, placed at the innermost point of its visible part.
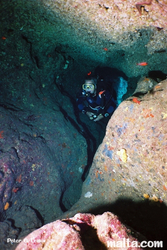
(129, 170)
(40, 159)
(46, 147)
(84, 33)
(83, 231)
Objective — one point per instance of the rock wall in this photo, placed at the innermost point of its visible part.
(128, 175)
(113, 33)
(37, 161)
(46, 49)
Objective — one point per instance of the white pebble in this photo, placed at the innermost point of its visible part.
(88, 195)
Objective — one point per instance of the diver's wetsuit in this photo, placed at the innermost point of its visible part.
(101, 103)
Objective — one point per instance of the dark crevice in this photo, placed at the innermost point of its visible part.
(157, 75)
(88, 235)
(10, 107)
(39, 216)
(63, 208)
(30, 44)
(82, 128)
(35, 59)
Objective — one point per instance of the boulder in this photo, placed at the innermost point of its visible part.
(83, 231)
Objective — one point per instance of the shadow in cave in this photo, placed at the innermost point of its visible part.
(63, 208)
(109, 74)
(157, 75)
(147, 217)
(110, 79)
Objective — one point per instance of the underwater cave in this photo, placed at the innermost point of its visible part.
(47, 49)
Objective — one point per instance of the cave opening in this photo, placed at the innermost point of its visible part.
(92, 131)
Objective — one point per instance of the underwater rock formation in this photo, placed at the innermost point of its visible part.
(129, 170)
(144, 85)
(46, 49)
(38, 161)
(113, 33)
(83, 231)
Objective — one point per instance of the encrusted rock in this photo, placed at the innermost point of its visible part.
(144, 85)
(83, 231)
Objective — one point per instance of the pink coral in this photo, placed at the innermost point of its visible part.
(83, 231)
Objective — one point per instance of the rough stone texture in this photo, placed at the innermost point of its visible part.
(46, 49)
(83, 231)
(24, 221)
(88, 33)
(129, 170)
(144, 85)
(41, 155)
(7, 231)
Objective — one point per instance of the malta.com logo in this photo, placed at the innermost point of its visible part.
(126, 243)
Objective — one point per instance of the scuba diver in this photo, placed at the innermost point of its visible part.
(96, 100)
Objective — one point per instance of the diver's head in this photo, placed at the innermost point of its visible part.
(89, 87)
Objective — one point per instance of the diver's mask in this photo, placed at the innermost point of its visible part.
(88, 88)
